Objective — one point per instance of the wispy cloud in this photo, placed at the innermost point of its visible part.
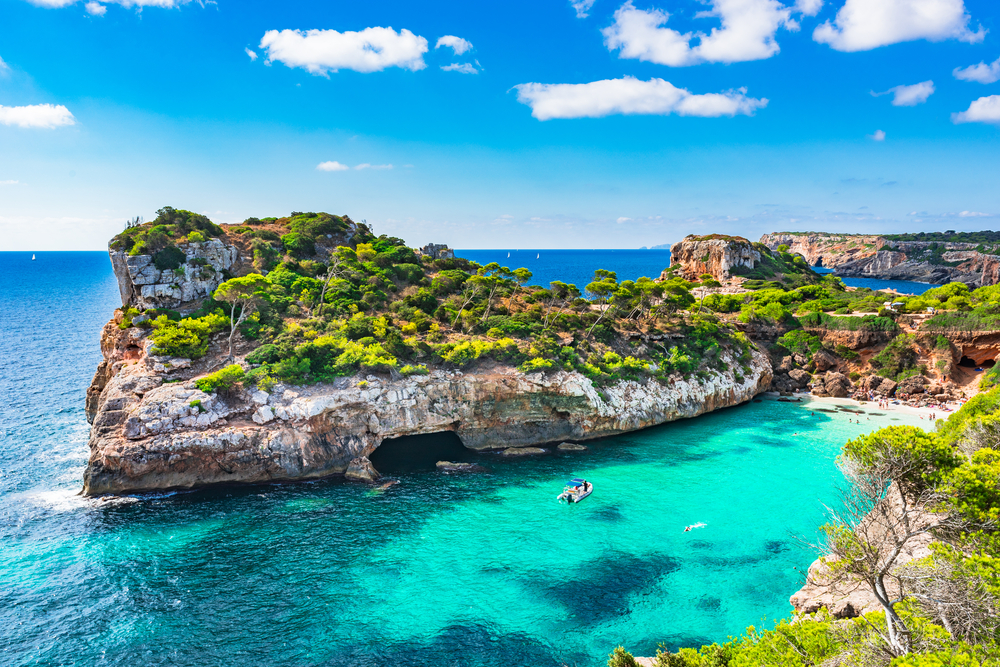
(456, 44)
(981, 73)
(582, 7)
(324, 51)
(251, 53)
(630, 96)
(95, 8)
(365, 165)
(879, 135)
(464, 68)
(98, 9)
(9, 182)
(909, 96)
(332, 165)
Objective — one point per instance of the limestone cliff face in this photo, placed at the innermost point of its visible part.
(144, 286)
(716, 255)
(877, 257)
(828, 250)
(149, 434)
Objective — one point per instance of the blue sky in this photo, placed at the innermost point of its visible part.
(606, 124)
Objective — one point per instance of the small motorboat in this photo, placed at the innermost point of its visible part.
(576, 490)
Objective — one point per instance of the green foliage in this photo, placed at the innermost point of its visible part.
(171, 257)
(898, 359)
(195, 237)
(468, 351)
(169, 226)
(298, 245)
(942, 344)
(224, 379)
(930, 456)
(801, 342)
(536, 364)
(187, 337)
(845, 352)
(415, 369)
(621, 658)
(865, 323)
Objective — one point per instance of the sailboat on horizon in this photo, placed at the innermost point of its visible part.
(32, 257)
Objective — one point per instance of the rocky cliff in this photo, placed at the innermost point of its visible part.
(143, 285)
(870, 256)
(715, 254)
(153, 429)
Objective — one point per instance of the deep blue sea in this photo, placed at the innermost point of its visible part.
(479, 570)
(577, 266)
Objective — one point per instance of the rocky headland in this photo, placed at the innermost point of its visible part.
(870, 256)
(154, 429)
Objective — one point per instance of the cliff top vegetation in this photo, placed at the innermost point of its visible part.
(331, 299)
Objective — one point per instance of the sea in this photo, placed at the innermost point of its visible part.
(483, 569)
(577, 266)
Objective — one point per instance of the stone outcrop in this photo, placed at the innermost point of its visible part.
(361, 470)
(832, 384)
(715, 255)
(868, 256)
(143, 285)
(149, 434)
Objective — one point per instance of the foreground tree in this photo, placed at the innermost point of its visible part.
(243, 293)
(888, 503)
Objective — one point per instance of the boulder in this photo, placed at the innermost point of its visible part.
(571, 447)
(799, 377)
(824, 360)
(837, 385)
(787, 364)
(361, 470)
(913, 385)
(801, 359)
(522, 451)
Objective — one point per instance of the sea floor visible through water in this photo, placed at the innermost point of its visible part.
(472, 569)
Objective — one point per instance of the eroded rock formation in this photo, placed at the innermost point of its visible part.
(715, 254)
(152, 434)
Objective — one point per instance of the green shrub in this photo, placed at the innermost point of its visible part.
(537, 364)
(801, 342)
(416, 369)
(224, 380)
(195, 237)
(621, 658)
(169, 258)
(186, 337)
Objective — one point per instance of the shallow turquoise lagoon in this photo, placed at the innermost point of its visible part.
(456, 569)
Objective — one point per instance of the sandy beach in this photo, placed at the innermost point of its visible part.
(921, 415)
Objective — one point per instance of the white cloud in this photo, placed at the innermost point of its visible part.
(629, 96)
(9, 182)
(909, 96)
(95, 9)
(3, 66)
(747, 33)
(373, 166)
(332, 165)
(324, 51)
(982, 72)
(251, 53)
(623, 220)
(878, 136)
(36, 115)
(456, 44)
(861, 25)
(464, 68)
(808, 7)
(983, 110)
(582, 7)
(963, 214)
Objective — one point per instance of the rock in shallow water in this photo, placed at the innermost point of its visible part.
(454, 466)
(571, 447)
(522, 451)
(361, 470)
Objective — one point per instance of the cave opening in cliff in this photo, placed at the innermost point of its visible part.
(419, 453)
(969, 362)
(819, 263)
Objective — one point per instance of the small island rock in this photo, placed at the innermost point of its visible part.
(361, 470)
(522, 451)
(571, 447)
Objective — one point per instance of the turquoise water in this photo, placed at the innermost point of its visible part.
(475, 569)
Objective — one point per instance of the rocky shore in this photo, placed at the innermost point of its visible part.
(869, 256)
(152, 430)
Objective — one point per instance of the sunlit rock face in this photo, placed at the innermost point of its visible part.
(715, 254)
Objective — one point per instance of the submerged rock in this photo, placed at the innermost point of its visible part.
(523, 451)
(361, 470)
(455, 466)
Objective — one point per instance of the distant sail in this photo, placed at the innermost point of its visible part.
(508, 254)
(538, 256)
(32, 258)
